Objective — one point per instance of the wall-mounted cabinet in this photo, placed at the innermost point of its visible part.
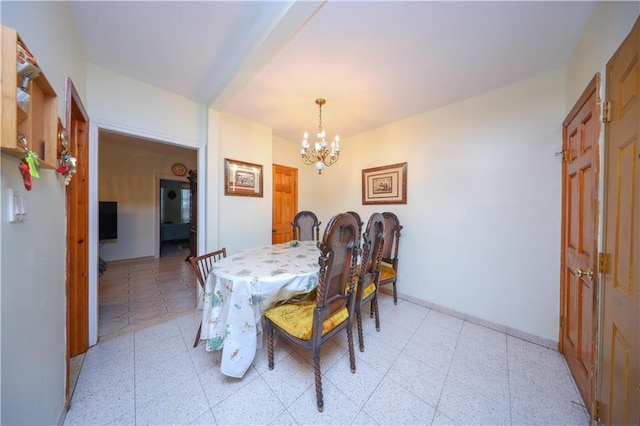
(36, 119)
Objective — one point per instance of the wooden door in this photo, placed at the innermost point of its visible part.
(578, 322)
(77, 282)
(285, 203)
(620, 363)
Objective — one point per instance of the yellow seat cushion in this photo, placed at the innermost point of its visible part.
(368, 290)
(386, 272)
(297, 318)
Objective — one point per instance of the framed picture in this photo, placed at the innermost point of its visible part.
(243, 179)
(385, 185)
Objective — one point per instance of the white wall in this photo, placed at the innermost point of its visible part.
(123, 105)
(243, 221)
(129, 174)
(482, 224)
(608, 26)
(33, 253)
(144, 109)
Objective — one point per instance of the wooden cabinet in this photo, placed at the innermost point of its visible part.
(38, 120)
(193, 214)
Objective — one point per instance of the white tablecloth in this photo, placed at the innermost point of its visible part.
(242, 286)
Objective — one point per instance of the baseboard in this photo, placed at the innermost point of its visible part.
(509, 331)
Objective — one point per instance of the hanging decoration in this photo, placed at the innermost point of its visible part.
(28, 164)
(67, 162)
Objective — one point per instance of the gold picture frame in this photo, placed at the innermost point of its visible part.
(242, 179)
(385, 185)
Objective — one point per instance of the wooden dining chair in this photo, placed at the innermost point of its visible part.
(369, 272)
(360, 223)
(202, 266)
(306, 226)
(310, 324)
(389, 266)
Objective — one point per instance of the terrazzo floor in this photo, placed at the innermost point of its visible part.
(423, 367)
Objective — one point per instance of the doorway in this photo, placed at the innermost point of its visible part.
(174, 211)
(285, 203)
(578, 282)
(130, 168)
(77, 207)
(619, 362)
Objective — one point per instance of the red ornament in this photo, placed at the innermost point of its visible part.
(26, 176)
(63, 169)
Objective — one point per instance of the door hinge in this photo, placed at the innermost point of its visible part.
(606, 112)
(561, 322)
(603, 263)
(597, 415)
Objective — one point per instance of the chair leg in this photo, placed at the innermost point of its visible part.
(374, 307)
(360, 332)
(316, 368)
(270, 344)
(195, 344)
(395, 293)
(352, 355)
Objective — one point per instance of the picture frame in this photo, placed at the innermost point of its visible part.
(242, 178)
(385, 184)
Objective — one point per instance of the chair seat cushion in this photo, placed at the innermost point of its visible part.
(297, 318)
(367, 290)
(386, 272)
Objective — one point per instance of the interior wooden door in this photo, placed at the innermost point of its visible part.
(285, 203)
(578, 329)
(619, 392)
(77, 285)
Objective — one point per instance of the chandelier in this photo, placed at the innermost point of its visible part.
(320, 153)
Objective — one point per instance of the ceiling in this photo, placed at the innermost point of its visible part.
(375, 62)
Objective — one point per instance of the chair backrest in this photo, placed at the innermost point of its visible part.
(203, 264)
(360, 223)
(372, 245)
(337, 261)
(306, 226)
(392, 230)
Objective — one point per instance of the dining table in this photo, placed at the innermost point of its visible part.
(241, 287)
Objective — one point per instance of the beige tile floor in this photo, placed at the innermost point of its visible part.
(423, 367)
(133, 294)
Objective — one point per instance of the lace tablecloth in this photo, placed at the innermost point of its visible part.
(242, 286)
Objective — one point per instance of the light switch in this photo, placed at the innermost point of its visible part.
(15, 205)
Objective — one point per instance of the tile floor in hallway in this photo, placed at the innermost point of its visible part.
(136, 293)
(423, 367)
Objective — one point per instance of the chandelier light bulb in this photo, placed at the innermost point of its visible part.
(319, 166)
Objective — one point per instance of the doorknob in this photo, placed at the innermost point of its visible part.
(580, 273)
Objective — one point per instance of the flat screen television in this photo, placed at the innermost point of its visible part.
(108, 220)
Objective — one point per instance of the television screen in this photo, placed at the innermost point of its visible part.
(108, 220)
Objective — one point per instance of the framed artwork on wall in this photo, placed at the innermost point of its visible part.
(385, 185)
(242, 179)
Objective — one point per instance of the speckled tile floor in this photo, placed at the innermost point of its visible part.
(423, 367)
